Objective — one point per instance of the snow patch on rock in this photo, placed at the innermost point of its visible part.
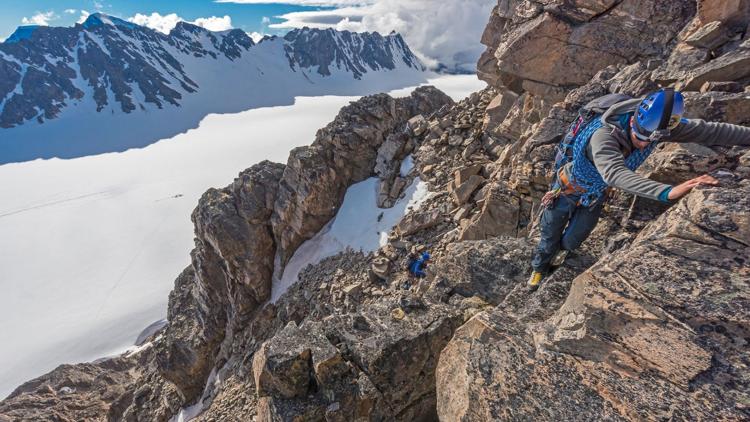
(358, 225)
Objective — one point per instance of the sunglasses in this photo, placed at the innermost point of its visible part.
(656, 135)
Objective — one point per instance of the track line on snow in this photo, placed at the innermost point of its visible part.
(49, 204)
(130, 264)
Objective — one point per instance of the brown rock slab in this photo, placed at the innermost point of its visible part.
(415, 222)
(461, 193)
(498, 109)
(462, 175)
(709, 36)
(721, 87)
(730, 67)
(498, 215)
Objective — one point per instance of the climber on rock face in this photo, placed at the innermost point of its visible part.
(612, 136)
(418, 266)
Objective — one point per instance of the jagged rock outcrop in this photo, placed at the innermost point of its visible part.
(229, 278)
(71, 393)
(214, 308)
(236, 247)
(344, 152)
(533, 45)
(103, 390)
(346, 366)
(234, 223)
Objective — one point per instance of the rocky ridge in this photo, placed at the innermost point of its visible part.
(649, 320)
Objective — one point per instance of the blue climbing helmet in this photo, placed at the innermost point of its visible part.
(658, 114)
(426, 256)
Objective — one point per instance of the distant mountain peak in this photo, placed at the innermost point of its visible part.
(99, 19)
(110, 66)
(22, 33)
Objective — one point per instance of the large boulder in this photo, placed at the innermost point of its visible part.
(234, 223)
(366, 366)
(536, 41)
(294, 362)
(498, 215)
(487, 269)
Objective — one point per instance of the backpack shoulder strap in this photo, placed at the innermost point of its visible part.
(602, 104)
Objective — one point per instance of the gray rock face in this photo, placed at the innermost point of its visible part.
(325, 49)
(302, 373)
(229, 278)
(486, 269)
(234, 223)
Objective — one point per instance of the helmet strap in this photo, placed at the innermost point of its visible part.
(666, 113)
(640, 132)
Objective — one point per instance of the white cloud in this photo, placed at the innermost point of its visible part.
(330, 3)
(161, 23)
(215, 23)
(84, 15)
(447, 34)
(336, 18)
(70, 11)
(266, 20)
(41, 18)
(256, 36)
(165, 23)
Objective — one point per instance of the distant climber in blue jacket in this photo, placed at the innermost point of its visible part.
(604, 150)
(418, 266)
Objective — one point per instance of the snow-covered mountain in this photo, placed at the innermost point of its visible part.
(108, 84)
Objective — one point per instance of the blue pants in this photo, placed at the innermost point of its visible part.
(564, 225)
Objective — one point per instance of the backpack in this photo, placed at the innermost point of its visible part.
(587, 114)
(572, 148)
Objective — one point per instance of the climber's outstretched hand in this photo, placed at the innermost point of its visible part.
(684, 188)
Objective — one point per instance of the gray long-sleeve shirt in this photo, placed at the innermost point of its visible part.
(610, 145)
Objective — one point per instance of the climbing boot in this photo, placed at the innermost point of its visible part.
(535, 279)
(559, 258)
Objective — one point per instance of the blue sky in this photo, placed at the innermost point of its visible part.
(248, 17)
